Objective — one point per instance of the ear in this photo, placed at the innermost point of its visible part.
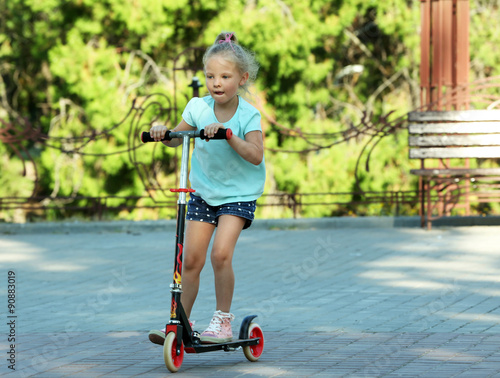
(244, 78)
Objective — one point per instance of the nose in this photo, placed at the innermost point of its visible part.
(216, 82)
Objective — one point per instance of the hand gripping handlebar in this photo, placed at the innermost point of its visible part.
(169, 135)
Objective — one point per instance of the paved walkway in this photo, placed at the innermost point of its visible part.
(333, 302)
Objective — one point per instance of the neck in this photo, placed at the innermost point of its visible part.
(232, 104)
(224, 112)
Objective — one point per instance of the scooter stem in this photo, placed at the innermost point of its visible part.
(176, 286)
(184, 169)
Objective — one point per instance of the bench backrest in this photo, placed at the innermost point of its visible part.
(454, 134)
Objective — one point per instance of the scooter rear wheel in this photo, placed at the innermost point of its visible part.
(173, 361)
(253, 352)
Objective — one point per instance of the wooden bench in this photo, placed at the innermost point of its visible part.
(445, 135)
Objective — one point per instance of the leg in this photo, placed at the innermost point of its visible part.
(228, 231)
(197, 238)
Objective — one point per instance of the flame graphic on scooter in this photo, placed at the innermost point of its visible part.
(173, 309)
(177, 274)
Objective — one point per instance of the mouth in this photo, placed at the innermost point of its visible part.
(218, 93)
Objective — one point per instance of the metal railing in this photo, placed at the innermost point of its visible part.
(103, 207)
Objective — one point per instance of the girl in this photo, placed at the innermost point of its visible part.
(228, 177)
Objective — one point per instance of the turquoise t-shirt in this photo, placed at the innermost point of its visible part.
(218, 174)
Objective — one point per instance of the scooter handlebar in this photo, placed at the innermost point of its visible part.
(146, 137)
(220, 134)
(169, 135)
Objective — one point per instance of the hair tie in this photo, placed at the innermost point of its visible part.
(228, 40)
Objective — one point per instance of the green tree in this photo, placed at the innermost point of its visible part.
(73, 67)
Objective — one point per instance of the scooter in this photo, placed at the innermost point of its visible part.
(180, 337)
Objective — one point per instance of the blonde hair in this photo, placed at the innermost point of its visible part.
(226, 44)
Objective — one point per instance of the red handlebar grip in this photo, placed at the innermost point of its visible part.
(229, 134)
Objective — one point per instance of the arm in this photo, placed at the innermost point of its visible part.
(251, 148)
(158, 132)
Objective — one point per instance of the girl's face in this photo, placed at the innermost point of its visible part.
(223, 80)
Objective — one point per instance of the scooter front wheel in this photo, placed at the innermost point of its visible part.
(253, 352)
(173, 361)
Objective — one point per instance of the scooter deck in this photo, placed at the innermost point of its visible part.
(227, 347)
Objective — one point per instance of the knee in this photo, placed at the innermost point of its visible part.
(191, 264)
(221, 259)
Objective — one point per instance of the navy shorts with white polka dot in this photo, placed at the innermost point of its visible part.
(199, 210)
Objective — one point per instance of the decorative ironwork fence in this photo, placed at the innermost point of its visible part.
(148, 109)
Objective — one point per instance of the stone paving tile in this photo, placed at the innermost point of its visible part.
(353, 302)
(131, 354)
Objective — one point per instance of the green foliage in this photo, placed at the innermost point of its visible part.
(484, 41)
(73, 67)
